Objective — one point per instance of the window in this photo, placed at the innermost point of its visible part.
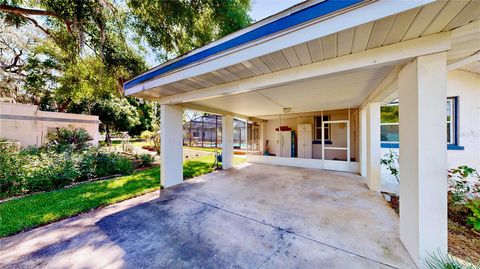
(451, 120)
(389, 132)
(318, 128)
(389, 127)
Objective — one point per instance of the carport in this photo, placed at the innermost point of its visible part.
(252, 216)
(330, 65)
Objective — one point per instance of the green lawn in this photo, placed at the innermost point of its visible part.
(203, 165)
(140, 143)
(39, 209)
(210, 159)
(135, 142)
(203, 149)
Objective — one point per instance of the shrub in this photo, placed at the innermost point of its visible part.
(11, 169)
(152, 138)
(123, 165)
(105, 164)
(391, 161)
(111, 163)
(146, 160)
(31, 150)
(42, 169)
(49, 170)
(68, 138)
(86, 162)
(464, 183)
(67, 171)
(441, 261)
(474, 218)
(148, 136)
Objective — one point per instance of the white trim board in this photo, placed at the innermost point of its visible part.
(306, 163)
(304, 33)
(385, 55)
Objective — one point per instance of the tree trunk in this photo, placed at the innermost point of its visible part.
(108, 139)
(120, 82)
(64, 106)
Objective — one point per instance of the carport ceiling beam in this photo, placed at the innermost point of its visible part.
(386, 88)
(468, 60)
(212, 110)
(385, 55)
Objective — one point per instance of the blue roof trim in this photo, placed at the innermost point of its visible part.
(284, 23)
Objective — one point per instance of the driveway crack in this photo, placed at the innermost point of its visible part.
(271, 255)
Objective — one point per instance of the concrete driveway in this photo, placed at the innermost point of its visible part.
(254, 216)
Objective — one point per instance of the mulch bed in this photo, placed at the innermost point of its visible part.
(463, 242)
(150, 148)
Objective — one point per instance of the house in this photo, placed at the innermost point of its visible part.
(312, 79)
(463, 124)
(206, 131)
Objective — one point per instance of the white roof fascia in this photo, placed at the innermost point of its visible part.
(370, 11)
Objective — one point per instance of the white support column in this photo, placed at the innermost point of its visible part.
(227, 141)
(363, 142)
(423, 156)
(261, 137)
(373, 145)
(171, 153)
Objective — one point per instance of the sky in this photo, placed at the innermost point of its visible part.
(264, 8)
(260, 10)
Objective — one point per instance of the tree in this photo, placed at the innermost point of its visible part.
(173, 28)
(145, 116)
(55, 82)
(116, 114)
(86, 22)
(77, 32)
(83, 51)
(169, 27)
(15, 45)
(389, 114)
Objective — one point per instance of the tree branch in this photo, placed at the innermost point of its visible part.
(46, 31)
(26, 11)
(36, 12)
(14, 62)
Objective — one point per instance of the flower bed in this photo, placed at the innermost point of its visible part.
(463, 213)
(59, 163)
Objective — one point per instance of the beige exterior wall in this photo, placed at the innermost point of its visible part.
(29, 126)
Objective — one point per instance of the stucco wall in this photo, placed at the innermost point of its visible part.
(465, 86)
(29, 126)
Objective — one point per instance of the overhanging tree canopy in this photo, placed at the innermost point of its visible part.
(86, 50)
